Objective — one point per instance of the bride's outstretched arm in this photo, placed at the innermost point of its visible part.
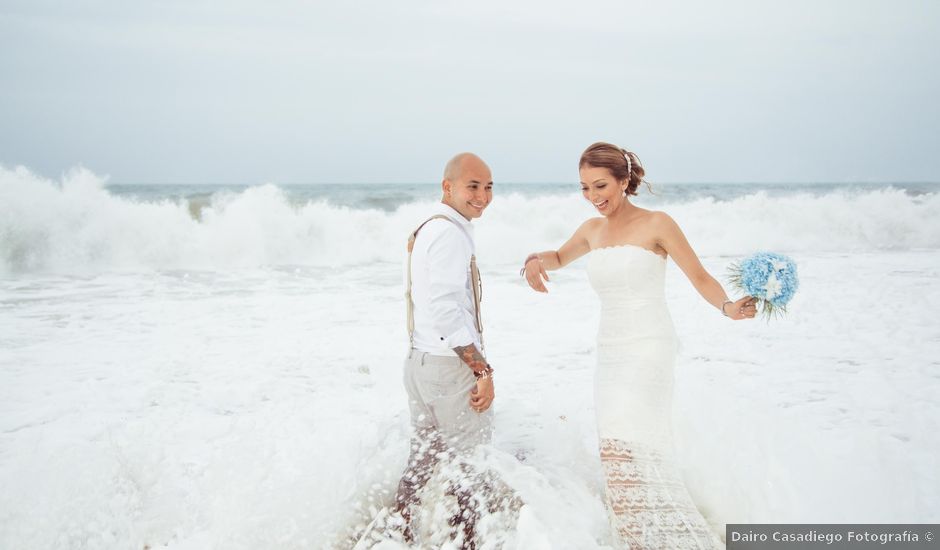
(538, 265)
(673, 241)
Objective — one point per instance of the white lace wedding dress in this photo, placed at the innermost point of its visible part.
(636, 346)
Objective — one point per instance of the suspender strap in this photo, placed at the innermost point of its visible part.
(475, 282)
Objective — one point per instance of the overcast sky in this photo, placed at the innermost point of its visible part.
(377, 91)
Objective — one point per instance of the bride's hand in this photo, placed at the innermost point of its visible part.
(745, 308)
(534, 273)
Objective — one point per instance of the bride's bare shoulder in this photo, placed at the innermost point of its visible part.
(657, 217)
(590, 227)
(662, 226)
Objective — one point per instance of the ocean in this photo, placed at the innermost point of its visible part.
(200, 366)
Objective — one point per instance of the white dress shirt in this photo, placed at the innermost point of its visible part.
(440, 285)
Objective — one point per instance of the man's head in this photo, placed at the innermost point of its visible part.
(467, 185)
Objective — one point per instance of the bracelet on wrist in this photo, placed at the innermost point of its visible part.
(529, 258)
(487, 372)
(723, 312)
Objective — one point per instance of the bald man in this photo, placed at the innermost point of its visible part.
(447, 378)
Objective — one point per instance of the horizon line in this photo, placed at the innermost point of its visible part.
(905, 182)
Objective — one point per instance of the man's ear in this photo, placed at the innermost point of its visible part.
(445, 187)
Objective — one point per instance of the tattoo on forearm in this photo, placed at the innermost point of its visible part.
(472, 357)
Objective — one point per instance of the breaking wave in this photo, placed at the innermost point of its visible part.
(76, 225)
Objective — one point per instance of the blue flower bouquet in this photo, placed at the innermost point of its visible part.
(769, 277)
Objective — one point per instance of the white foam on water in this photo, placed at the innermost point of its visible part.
(234, 385)
(76, 226)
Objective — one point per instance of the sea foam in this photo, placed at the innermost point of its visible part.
(75, 225)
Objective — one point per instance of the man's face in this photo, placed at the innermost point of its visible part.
(471, 191)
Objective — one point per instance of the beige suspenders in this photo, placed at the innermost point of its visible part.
(475, 283)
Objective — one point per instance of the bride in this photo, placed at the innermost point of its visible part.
(649, 505)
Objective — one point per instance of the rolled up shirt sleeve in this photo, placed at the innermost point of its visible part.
(448, 271)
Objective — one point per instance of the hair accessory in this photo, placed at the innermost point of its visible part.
(626, 155)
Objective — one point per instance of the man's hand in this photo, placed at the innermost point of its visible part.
(482, 396)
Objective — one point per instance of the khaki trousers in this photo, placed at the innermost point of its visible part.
(438, 390)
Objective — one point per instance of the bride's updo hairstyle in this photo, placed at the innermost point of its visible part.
(613, 158)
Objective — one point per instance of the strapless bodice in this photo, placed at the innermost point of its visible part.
(627, 273)
(630, 281)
